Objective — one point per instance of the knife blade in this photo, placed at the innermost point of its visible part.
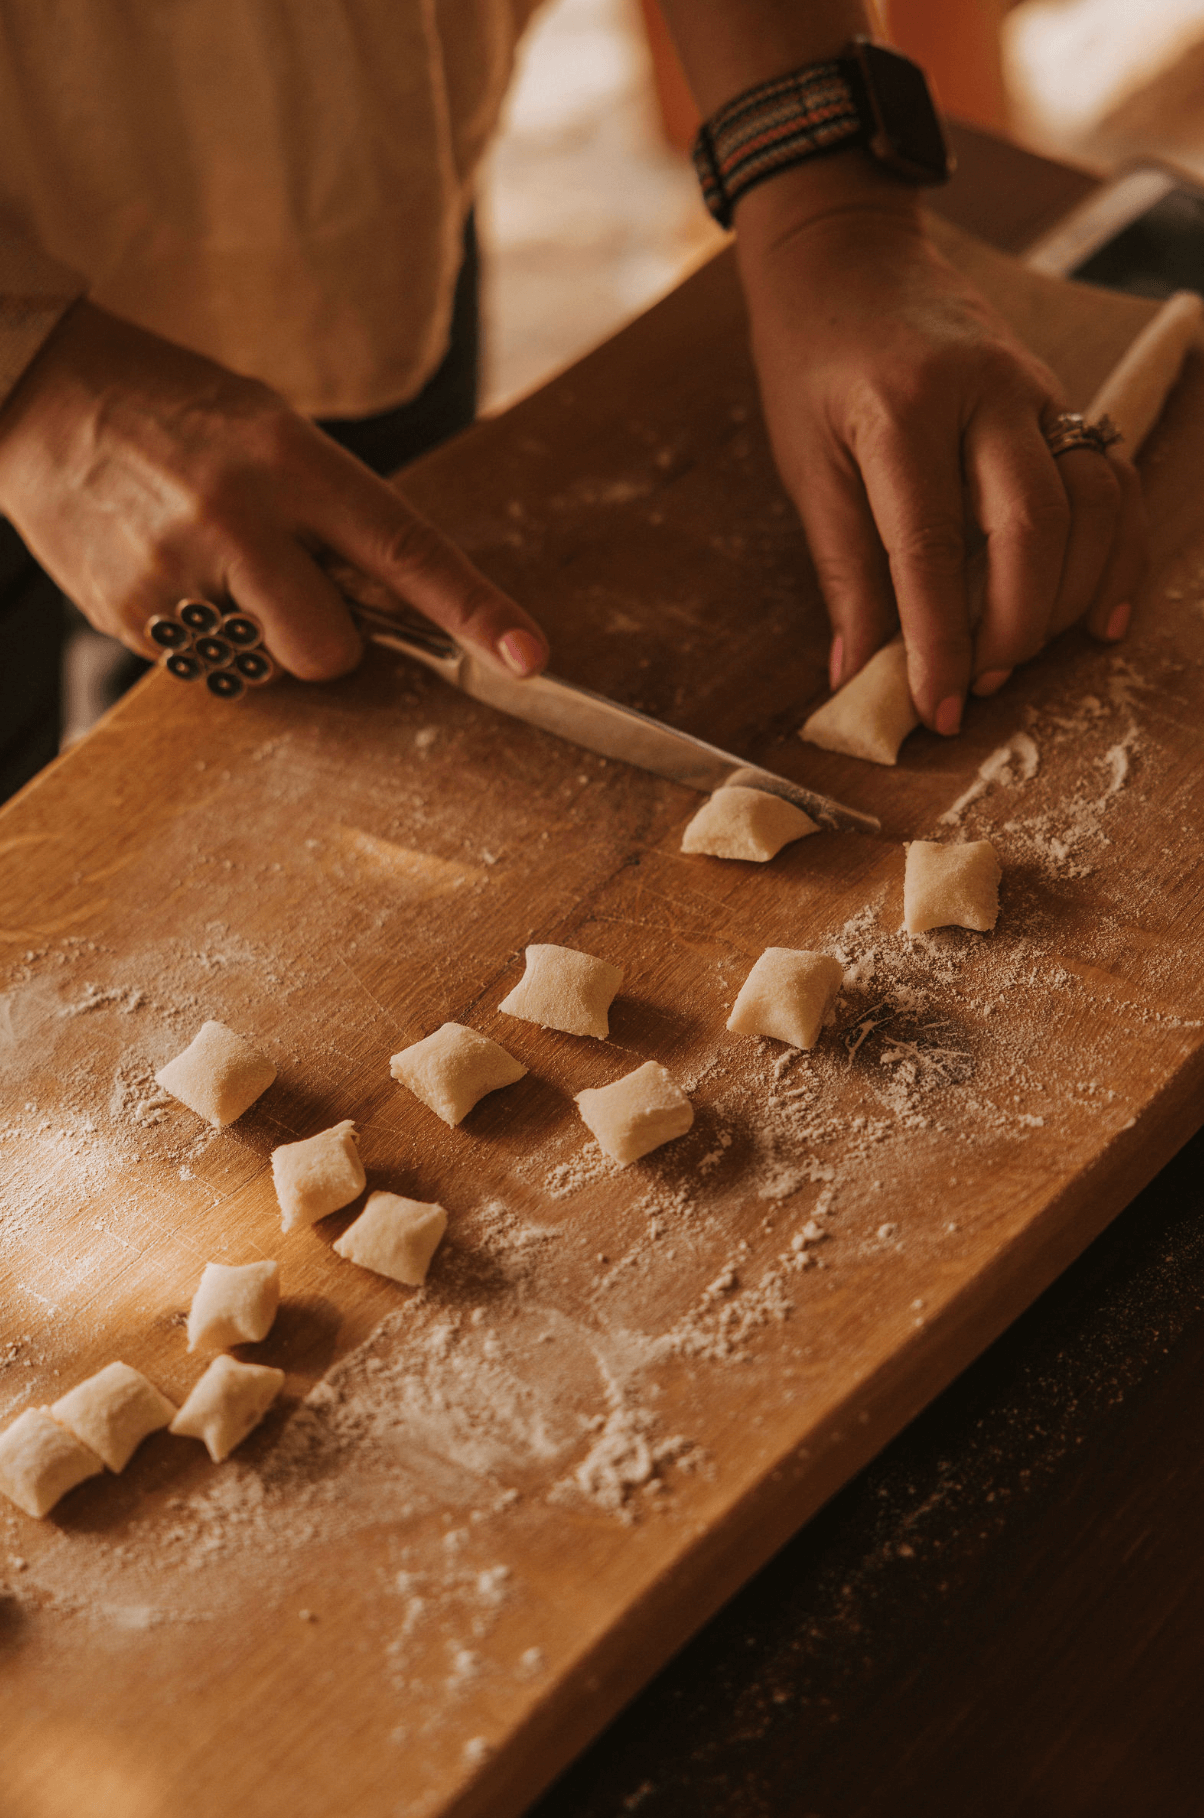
(573, 712)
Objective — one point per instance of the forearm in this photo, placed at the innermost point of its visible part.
(727, 46)
(35, 293)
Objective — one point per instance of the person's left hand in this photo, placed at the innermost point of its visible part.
(907, 423)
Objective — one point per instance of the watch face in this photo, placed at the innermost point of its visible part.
(908, 133)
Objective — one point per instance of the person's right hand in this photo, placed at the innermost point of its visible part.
(139, 474)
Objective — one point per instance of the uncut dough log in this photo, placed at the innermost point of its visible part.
(218, 1075)
(1136, 389)
(40, 1461)
(453, 1069)
(227, 1403)
(787, 995)
(234, 1304)
(637, 1113)
(566, 990)
(113, 1412)
(740, 823)
(318, 1175)
(951, 886)
(871, 715)
(395, 1237)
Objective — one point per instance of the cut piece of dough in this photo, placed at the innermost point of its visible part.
(872, 714)
(40, 1461)
(951, 886)
(395, 1237)
(740, 823)
(787, 995)
(454, 1068)
(230, 1399)
(638, 1113)
(112, 1413)
(218, 1075)
(317, 1175)
(564, 989)
(234, 1304)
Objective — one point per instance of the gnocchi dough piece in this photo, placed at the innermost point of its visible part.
(740, 823)
(638, 1113)
(230, 1399)
(234, 1304)
(454, 1068)
(564, 989)
(40, 1461)
(317, 1175)
(218, 1075)
(395, 1237)
(112, 1413)
(787, 995)
(951, 886)
(871, 715)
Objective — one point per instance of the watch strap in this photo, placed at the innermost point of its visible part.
(789, 120)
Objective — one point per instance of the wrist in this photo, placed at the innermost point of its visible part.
(846, 183)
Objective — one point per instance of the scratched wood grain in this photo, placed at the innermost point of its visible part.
(336, 871)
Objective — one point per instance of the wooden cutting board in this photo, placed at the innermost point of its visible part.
(485, 1513)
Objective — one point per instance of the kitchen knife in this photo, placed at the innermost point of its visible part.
(572, 712)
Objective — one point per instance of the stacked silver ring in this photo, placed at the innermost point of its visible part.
(225, 649)
(1070, 429)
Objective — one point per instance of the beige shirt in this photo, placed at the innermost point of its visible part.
(280, 184)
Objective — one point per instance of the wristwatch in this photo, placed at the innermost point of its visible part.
(871, 96)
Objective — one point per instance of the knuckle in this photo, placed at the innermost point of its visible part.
(476, 606)
(328, 653)
(1040, 517)
(946, 646)
(273, 433)
(411, 547)
(842, 577)
(1097, 489)
(934, 545)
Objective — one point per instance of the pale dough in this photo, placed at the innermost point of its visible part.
(229, 1400)
(638, 1113)
(872, 714)
(218, 1075)
(40, 1461)
(234, 1304)
(317, 1175)
(787, 995)
(739, 823)
(951, 886)
(112, 1413)
(1136, 389)
(564, 989)
(395, 1237)
(454, 1068)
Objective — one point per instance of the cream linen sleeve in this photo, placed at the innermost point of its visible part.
(35, 292)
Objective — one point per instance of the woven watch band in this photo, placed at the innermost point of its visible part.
(786, 121)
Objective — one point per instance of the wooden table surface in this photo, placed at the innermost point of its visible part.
(498, 1542)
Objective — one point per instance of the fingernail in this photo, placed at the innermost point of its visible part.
(991, 681)
(835, 662)
(521, 651)
(1118, 624)
(948, 716)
